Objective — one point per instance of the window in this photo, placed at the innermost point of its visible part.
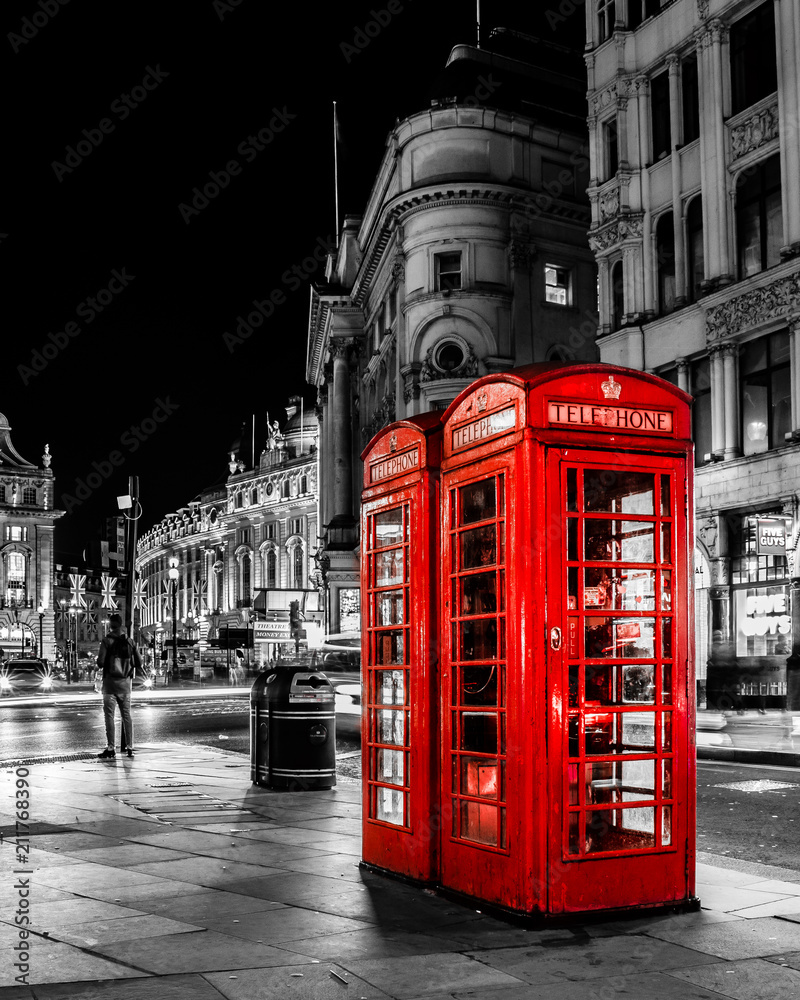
(759, 223)
(694, 249)
(606, 15)
(640, 10)
(659, 110)
(753, 57)
(15, 578)
(272, 568)
(690, 99)
(29, 496)
(766, 392)
(391, 308)
(297, 567)
(448, 271)
(303, 484)
(557, 285)
(271, 530)
(617, 295)
(700, 388)
(611, 150)
(296, 526)
(244, 536)
(16, 533)
(2, 494)
(448, 357)
(254, 496)
(665, 262)
(245, 591)
(286, 489)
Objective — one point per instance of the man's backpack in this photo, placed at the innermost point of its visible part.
(119, 657)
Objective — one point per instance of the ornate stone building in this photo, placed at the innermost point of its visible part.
(470, 257)
(27, 521)
(695, 196)
(243, 550)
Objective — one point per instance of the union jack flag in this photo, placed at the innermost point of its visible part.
(77, 582)
(200, 595)
(139, 595)
(108, 584)
(91, 620)
(61, 613)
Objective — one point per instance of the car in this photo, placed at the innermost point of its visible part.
(25, 676)
(347, 700)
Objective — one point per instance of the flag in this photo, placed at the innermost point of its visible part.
(77, 582)
(108, 584)
(139, 595)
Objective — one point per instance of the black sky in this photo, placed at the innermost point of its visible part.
(214, 74)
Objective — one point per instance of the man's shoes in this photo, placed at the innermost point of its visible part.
(106, 755)
(130, 751)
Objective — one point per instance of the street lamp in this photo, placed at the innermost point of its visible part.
(173, 575)
(73, 629)
(41, 610)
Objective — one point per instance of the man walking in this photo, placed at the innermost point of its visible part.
(118, 659)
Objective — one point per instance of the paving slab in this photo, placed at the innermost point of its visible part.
(653, 986)
(425, 975)
(746, 980)
(203, 951)
(591, 958)
(389, 942)
(316, 982)
(134, 928)
(161, 988)
(288, 924)
(62, 914)
(739, 939)
(87, 874)
(159, 888)
(200, 907)
(215, 872)
(125, 854)
(732, 898)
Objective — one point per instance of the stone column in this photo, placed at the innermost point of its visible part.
(342, 432)
(794, 368)
(399, 275)
(603, 305)
(730, 356)
(787, 31)
(642, 86)
(719, 66)
(717, 400)
(676, 138)
(683, 373)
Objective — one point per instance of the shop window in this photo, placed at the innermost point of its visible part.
(759, 223)
(766, 393)
(695, 260)
(610, 149)
(557, 285)
(606, 15)
(448, 271)
(617, 295)
(748, 566)
(659, 110)
(690, 99)
(665, 262)
(700, 388)
(754, 67)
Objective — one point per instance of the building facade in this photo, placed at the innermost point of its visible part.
(27, 566)
(695, 200)
(470, 258)
(243, 551)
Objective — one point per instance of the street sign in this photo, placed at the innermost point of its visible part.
(271, 630)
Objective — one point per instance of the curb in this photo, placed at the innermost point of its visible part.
(741, 755)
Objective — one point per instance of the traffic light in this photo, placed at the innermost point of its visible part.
(294, 616)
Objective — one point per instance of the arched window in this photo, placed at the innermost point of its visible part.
(617, 295)
(297, 567)
(694, 249)
(272, 568)
(245, 591)
(665, 263)
(15, 577)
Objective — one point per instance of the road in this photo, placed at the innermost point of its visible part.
(756, 821)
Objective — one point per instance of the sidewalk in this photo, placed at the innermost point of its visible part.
(172, 876)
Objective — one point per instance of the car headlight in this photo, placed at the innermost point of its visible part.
(148, 682)
(5, 684)
(47, 683)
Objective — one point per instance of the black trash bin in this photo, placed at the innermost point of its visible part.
(292, 729)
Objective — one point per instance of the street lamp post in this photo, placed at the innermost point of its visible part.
(173, 575)
(41, 610)
(72, 661)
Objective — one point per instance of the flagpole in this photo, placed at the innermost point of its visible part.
(253, 449)
(478, 11)
(336, 172)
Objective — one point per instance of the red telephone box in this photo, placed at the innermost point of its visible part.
(565, 723)
(568, 780)
(399, 532)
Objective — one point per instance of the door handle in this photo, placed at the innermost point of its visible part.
(555, 638)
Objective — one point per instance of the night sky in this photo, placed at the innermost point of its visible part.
(121, 282)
